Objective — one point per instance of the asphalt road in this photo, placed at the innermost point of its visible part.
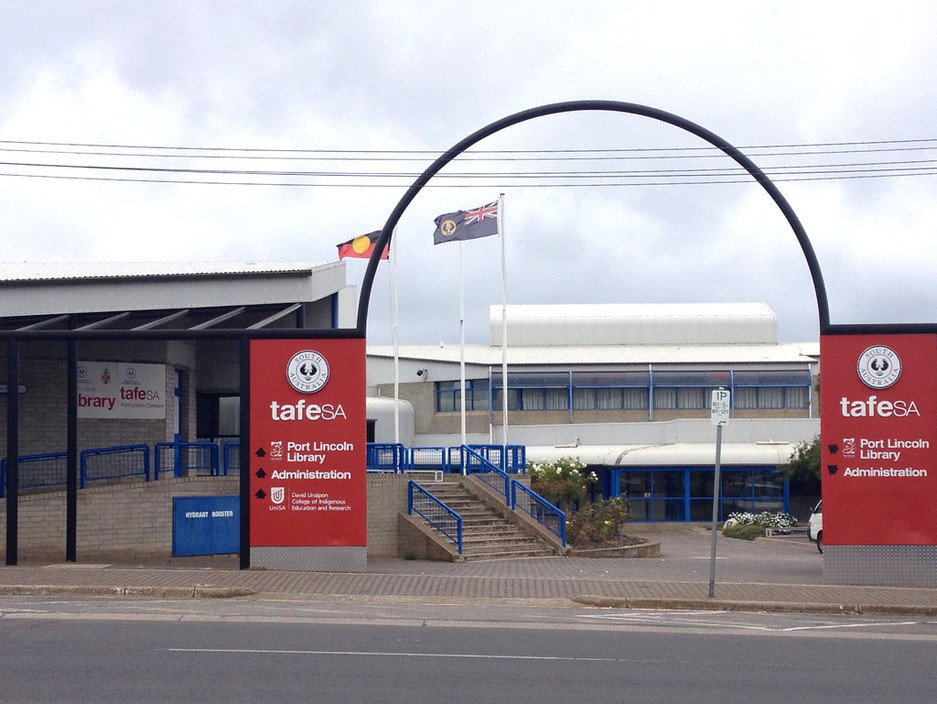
(68, 650)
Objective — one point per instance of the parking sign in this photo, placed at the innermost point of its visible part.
(719, 407)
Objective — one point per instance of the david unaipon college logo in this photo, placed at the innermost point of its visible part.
(307, 371)
(879, 367)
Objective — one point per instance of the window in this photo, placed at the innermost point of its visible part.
(609, 391)
(686, 390)
(448, 395)
(547, 391)
(771, 390)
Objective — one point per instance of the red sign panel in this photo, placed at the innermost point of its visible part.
(879, 439)
(308, 443)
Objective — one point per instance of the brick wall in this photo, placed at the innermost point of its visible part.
(134, 521)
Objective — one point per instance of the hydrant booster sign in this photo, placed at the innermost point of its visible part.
(308, 436)
(879, 439)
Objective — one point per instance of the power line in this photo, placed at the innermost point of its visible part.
(433, 153)
(606, 184)
(840, 169)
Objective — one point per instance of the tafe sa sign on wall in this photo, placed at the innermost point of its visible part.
(879, 439)
(121, 390)
(308, 434)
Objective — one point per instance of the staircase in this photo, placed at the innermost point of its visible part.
(486, 534)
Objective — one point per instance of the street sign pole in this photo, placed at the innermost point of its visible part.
(719, 416)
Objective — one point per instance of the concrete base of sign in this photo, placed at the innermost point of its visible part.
(881, 565)
(311, 559)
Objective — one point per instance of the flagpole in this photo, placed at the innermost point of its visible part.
(461, 345)
(394, 324)
(504, 328)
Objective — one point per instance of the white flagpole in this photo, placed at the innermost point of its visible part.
(504, 328)
(461, 344)
(394, 320)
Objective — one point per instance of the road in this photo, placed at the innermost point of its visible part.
(107, 650)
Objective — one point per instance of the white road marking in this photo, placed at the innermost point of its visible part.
(678, 619)
(395, 654)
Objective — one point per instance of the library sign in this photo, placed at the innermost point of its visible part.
(879, 439)
(308, 434)
(121, 390)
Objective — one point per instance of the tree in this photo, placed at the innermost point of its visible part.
(803, 469)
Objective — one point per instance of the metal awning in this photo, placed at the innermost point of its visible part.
(252, 317)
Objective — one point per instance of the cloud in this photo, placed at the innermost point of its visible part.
(420, 76)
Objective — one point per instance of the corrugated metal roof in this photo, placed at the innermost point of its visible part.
(59, 271)
(767, 454)
(610, 354)
(148, 295)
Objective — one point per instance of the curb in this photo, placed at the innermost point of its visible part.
(735, 605)
(196, 592)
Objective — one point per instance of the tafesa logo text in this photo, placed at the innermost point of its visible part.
(872, 407)
(303, 411)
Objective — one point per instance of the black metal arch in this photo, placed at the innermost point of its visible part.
(596, 105)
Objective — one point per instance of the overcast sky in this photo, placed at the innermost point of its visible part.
(834, 100)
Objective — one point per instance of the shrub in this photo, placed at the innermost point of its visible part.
(562, 483)
(744, 531)
(598, 523)
(765, 519)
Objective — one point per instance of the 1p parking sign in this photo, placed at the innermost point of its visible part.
(719, 407)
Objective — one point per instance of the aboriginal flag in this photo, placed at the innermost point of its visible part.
(467, 224)
(361, 247)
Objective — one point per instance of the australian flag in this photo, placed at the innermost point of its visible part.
(467, 224)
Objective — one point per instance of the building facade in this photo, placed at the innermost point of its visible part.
(626, 389)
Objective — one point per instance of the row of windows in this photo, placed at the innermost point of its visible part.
(686, 494)
(633, 392)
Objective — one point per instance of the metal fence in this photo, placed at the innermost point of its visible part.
(114, 462)
(231, 457)
(495, 477)
(187, 458)
(538, 508)
(209, 458)
(36, 471)
(435, 512)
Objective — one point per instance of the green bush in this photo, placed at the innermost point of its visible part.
(600, 523)
(744, 531)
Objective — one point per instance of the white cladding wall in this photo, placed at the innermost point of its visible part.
(381, 410)
(635, 324)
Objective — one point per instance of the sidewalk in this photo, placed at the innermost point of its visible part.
(769, 574)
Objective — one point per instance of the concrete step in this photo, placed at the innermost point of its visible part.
(486, 534)
(534, 552)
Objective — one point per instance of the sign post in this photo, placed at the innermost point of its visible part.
(307, 463)
(719, 416)
(879, 458)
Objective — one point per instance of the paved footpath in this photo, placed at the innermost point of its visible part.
(768, 574)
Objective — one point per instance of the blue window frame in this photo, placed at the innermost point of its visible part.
(685, 494)
(448, 396)
(631, 390)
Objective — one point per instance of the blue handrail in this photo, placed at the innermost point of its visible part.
(35, 471)
(429, 458)
(510, 458)
(541, 510)
(187, 455)
(495, 477)
(435, 512)
(231, 457)
(386, 456)
(113, 462)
